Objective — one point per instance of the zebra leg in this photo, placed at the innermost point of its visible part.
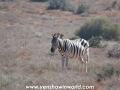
(86, 66)
(82, 67)
(86, 62)
(63, 60)
(66, 63)
(82, 62)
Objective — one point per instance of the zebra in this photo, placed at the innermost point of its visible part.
(78, 48)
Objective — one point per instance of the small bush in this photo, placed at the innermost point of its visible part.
(81, 9)
(119, 7)
(115, 51)
(38, 0)
(117, 70)
(95, 42)
(107, 71)
(61, 5)
(99, 27)
(113, 4)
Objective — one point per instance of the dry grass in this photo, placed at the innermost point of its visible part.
(25, 41)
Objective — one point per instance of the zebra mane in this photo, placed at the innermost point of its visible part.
(58, 35)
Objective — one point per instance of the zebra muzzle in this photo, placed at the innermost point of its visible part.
(52, 50)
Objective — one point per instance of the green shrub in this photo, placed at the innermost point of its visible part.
(38, 0)
(81, 8)
(99, 27)
(117, 70)
(107, 71)
(113, 4)
(95, 42)
(61, 5)
(119, 7)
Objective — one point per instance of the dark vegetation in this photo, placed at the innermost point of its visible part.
(95, 42)
(93, 29)
(81, 9)
(64, 5)
(107, 71)
(99, 27)
(113, 4)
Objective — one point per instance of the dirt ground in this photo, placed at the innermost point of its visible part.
(25, 40)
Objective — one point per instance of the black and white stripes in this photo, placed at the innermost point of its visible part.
(78, 48)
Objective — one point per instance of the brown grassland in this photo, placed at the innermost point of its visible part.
(25, 40)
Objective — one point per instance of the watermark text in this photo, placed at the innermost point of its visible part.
(51, 87)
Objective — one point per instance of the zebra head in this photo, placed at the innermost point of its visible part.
(55, 41)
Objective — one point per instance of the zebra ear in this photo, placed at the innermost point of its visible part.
(53, 35)
(57, 34)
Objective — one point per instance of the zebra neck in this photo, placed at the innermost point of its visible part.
(60, 44)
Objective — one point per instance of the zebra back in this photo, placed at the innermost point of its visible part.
(74, 47)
